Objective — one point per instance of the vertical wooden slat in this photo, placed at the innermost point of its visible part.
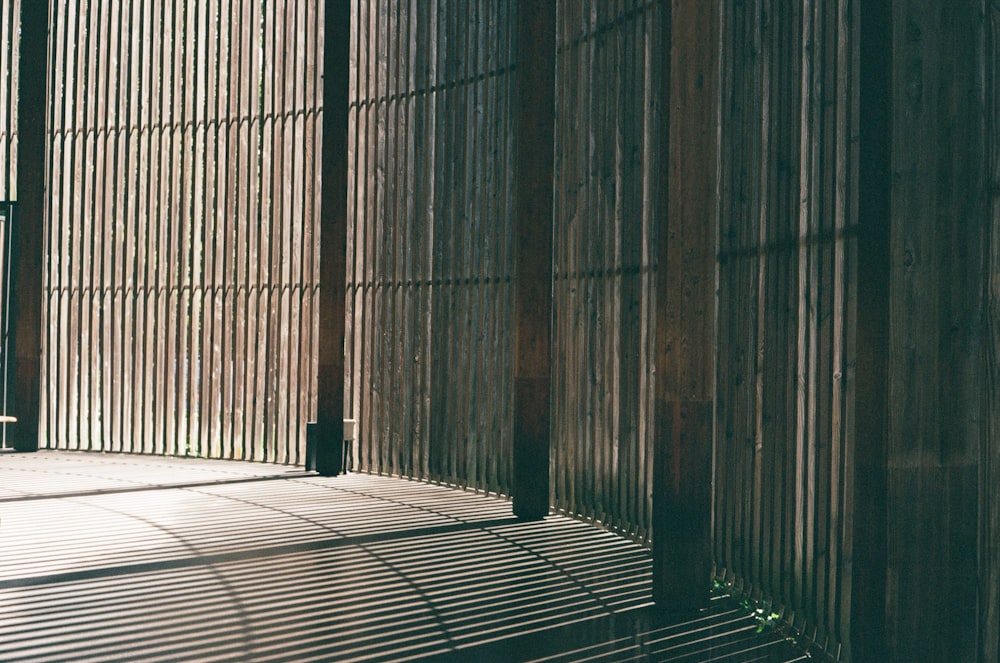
(393, 226)
(354, 246)
(141, 68)
(245, 258)
(685, 314)
(367, 213)
(56, 279)
(989, 472)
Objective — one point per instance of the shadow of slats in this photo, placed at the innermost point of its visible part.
(236, 562)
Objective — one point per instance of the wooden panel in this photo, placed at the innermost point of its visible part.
(604, 261)
(430, 291)
(10, 47)
(785, 325)
(183, 235)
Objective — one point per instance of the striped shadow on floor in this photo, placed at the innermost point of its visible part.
(135, 558)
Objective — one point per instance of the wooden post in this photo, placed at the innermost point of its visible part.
(535, 135)
(868, 549)
(685, 308)
(333, 238)
(26, 294)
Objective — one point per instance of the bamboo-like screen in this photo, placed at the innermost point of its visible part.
(10, 13)
(182, 245)
(430, 299)
(607, 66)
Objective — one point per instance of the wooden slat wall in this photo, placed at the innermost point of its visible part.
(429, 268)
(182, 252)
(604, 263)
(785, 336)
(9, 47)
(10, 14)
(8, 221)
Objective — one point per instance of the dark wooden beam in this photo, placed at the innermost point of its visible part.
(29, 234)
(534, 122)
(333, 238)
(685, 307)
(868, 566)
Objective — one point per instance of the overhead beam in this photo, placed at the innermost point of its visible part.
(535, 135)
(333, 238)
(685, 306)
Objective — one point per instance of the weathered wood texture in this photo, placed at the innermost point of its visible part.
(785, 340)
(607, 79)
(182, 207)
(8, 219)
(333, 237)
(28, 238)
(863, 630)
(935, 337)
(10, 17)
(534, 135)
(430, 291)
(686, 307)
(850, 441)
(989, 468)
(10, 45)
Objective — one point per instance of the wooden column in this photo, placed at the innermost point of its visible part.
(534, 126)
(26, 294)
(685, 308)
(920, 356)
(868, 551)
(333, 238)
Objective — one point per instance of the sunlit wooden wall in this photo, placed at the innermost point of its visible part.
(182, 271)
(9, 71)
(9, 48)
(182, 250)
(431, 264)
(607, 73)
(430, 294)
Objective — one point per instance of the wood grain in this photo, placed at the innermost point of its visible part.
(989, 468)
(685, 311)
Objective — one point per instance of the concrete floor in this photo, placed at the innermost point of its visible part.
(135, 558)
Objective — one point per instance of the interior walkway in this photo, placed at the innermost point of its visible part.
(133, 558)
